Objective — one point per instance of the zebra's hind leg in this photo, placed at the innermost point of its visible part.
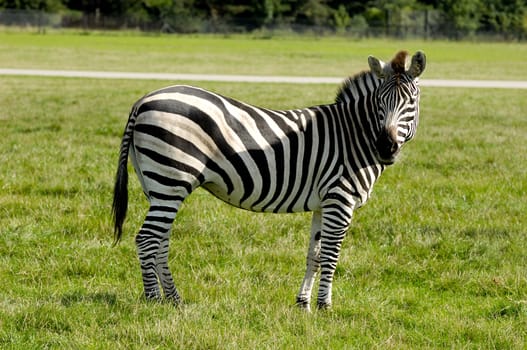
(164, 274)
(312, 264)
(152, 250)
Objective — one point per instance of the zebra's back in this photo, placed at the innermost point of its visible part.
(250, 157)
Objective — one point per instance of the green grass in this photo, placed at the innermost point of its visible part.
(298, 56)
(436, 259)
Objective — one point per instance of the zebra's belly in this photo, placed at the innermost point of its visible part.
(308, 202)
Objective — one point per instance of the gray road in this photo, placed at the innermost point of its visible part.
(502, 84)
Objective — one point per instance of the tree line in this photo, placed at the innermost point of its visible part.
(459, 17)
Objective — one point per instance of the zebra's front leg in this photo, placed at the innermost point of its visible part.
(329, 255)
(335, 222)
(303, 299)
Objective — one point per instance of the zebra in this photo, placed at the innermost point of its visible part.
(324, 159)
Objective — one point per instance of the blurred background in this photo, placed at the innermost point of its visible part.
(437, 19)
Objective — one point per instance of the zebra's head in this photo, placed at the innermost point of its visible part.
(397, 102)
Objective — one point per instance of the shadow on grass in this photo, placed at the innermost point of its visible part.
(509, 309)
(81, 297)
(498, 232)
(52, 191)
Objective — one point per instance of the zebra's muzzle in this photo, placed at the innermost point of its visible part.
(387, 147)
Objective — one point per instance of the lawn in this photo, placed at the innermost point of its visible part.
(436, 259)
(298, 56)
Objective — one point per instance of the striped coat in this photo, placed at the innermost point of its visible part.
(323, 159)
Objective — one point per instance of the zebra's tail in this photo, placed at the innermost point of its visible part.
(120, 191)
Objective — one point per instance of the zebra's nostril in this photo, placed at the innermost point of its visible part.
(388, 143)
(387, 147)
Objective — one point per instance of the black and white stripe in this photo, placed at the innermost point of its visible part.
(323, 159)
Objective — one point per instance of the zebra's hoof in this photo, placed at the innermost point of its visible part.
(154, 300)
(322, 305)
(303, 304)
(174, 300)
(153, 295)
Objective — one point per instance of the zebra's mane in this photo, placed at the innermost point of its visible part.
(357, 85)
(367, 81)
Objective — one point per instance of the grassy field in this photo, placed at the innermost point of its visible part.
(436, 259)
(298, 56)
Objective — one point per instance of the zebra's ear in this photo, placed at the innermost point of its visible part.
(377, 66)
(418, 64)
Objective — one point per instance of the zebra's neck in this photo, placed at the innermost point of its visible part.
(355, 107)
(359, 93)
(360, 85)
